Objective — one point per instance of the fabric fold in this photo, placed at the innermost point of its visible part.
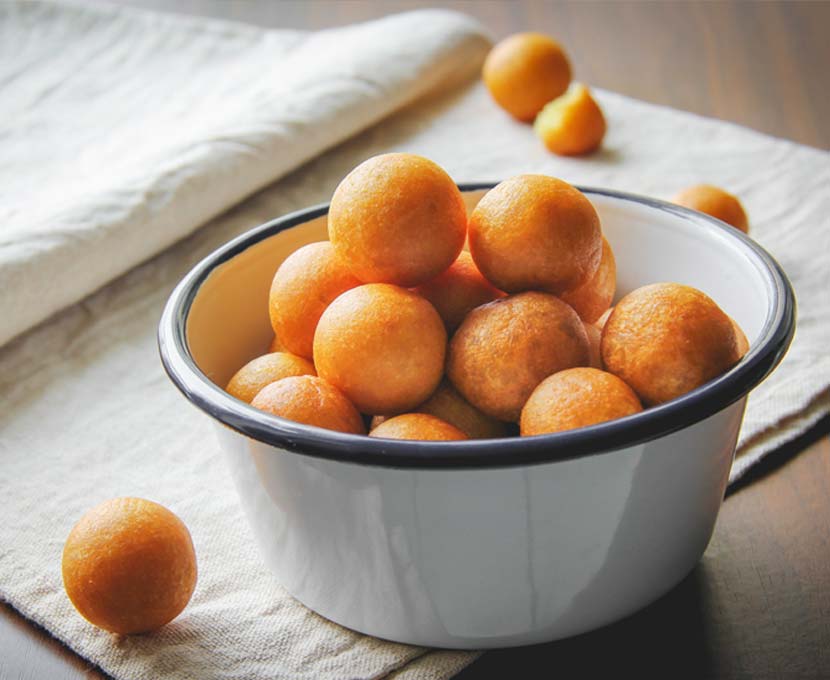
(122, 130)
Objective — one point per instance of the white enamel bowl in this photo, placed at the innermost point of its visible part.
(483, 543)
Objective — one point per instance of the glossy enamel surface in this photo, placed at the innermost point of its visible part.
(483, 543)
(478, 558)
(215, 322)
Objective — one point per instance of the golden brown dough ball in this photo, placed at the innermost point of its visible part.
(459, 289)
(577, 397)
(573, 124)
(594, 339)
(312, 401)
(666, 339)
(447, 404)
(534, 232)
(129, 566)
(275, 345)
(716, 202)
(505, 348)
(741, 341)
(524, 72)
(383, 346)
(421, 426)
(594, 296)
(257, 373)
(397, 218)
(600, 323)
(304, 285)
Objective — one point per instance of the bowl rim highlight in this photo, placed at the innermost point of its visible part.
(604, 438)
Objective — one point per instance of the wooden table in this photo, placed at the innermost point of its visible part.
(758, 605)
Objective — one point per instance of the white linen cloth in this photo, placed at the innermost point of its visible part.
(122, 131)
(88, 413)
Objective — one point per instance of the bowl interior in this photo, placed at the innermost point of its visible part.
(228, 322)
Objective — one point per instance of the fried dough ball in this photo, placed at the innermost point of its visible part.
(129, 566)
(303, 286)
(594, 339)
(666, 339)
(383, 346)
(310, 400)
(600, 323)
(572, 124)
(420, 426)
(594, 296)
(716, 202)
(505, 348)
(457, 290)
(397, 218)
(524, 72)
(741, 341)
(574, 398)
(377, 420)
(534, 232)
(448, 405)
(257, 373)
(275, 345)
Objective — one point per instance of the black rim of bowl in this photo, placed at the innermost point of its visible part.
(604, 438)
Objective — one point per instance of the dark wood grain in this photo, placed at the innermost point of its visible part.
(30, 653)
(760, 64)
(758, 605)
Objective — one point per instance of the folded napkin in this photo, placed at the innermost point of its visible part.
(122, 130)
(89, 414)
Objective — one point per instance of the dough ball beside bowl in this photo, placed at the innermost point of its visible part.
(524, 72)
(716, 202)
(129, 565)
(573, 124)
